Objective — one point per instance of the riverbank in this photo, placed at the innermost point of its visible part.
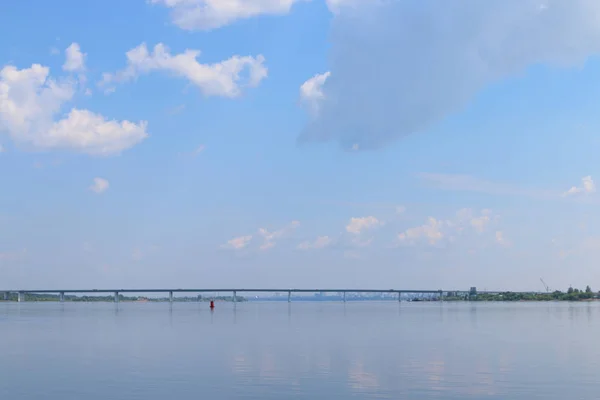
(570, 295)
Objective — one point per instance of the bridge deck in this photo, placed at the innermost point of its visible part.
(248, 290)
(242, 290)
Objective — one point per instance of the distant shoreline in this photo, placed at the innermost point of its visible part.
(572, 295)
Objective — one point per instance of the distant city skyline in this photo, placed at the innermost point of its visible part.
(321, 143)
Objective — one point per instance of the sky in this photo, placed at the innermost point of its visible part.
(405, 144)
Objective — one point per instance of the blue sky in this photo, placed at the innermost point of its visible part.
(307, 143)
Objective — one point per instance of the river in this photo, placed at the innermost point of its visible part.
(320, 350)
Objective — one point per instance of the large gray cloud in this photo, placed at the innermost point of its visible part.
(397, 67)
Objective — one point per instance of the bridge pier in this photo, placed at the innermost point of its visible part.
(290, 296)
(344, 297)
(171, 296)
(116, 297)
(234, 296)
(399, 297)
(62, 297)
(21, 297)
(6, 296)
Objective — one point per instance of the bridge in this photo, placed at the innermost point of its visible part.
(116, 292)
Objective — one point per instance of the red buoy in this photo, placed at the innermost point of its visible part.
(212, 304)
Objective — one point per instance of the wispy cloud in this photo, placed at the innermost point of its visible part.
(269, 241)
(209, 14)
(270, 238)
(320, 243)
(360, 224)
(237, 243)
(227, 78)
(501, 239)
(10, 256)
(436, 230)
(99, 186)
(199, 149)
(193, 153)
(432, 232)
(176, 110)
(468, 183)
(311, 92)
(587, 187)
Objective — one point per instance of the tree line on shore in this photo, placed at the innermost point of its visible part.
(572, 294)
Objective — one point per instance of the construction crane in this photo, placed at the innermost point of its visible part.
(545, 286)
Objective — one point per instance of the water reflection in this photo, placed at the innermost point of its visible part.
(473, 314)
(588, 310)
(359, 379)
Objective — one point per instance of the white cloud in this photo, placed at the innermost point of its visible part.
(400, 209)
(587, 187)
(399, 67)
(573, 190)
(501, 239)
(477, 222)
(337, 6)
(226, 78)
(30, 106)
(75, 61)
(358, 225)
(311, 92)
(271, 237)
(211, 14)
(267, 245)
(320, 243)
(99, 186)
(431, 231)
(435, 230)
(88, 132)
(238, 243)
(2, 150)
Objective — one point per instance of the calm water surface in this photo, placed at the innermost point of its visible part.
(300, 351)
